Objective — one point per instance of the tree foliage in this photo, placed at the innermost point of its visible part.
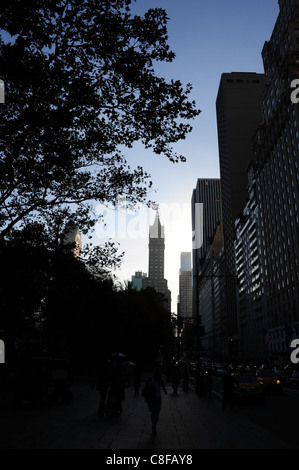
(80, 84)
(51, 302)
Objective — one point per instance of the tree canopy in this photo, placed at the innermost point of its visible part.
(80, 84)
(51, 303)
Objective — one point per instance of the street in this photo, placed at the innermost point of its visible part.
(279, 414)
(187, 421)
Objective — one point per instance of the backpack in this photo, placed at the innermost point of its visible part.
(148, 391)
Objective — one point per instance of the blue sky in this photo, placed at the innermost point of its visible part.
(209, 38)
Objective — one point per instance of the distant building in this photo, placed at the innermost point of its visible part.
(136, 280)
(71, 239)
(156, 247)
(212, 299)
(206, 199)
(185, 287)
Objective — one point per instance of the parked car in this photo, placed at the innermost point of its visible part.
(282, 375)
(270, 381)
(219, 370)
(293, 381)
(249, 389)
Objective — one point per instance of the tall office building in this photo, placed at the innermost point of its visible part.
(71, 239)
(155, 277)
(250, 273)
(238, 108)
(185, 287)
(213, 300)
(276, 156)
(206, 214)
(239, 113)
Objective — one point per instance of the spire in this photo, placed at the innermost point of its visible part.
(156, 230)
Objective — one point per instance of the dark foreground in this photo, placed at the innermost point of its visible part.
(187, 421)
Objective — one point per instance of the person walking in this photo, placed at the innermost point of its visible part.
(137, 379)
(102, 384)
(229, 385)
(175, 378)
(154, 398)
(186, 377)
(116, 393)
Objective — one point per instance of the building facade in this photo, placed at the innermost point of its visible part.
(136, 280)
(185, 287)
(252, 311)
(212, 300)
(206, 214)
(71, 239)
(155, 277)
(238, 107)
(276, 159)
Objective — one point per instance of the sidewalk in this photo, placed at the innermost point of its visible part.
(186, 422)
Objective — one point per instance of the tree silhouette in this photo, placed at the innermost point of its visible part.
(80, 83)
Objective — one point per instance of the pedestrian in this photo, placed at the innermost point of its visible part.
(229, 385)
(102, 384)
(175, 378)
(155, 400)
(186, 377)
(117, 390)
(137, 379)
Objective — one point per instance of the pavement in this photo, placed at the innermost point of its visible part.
(186, 421)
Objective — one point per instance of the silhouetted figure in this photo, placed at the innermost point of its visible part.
(102, 384)
(229, 385)
(208, 383)
(137, 379)
(116, 393)
(186, 377)
(175, 379)
(155, 402)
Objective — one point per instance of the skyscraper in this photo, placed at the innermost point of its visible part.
(71, 239)
(250, 272)
(239, 113)
(185, 287)
(276, 157)
(156, 246)
(206, 214)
